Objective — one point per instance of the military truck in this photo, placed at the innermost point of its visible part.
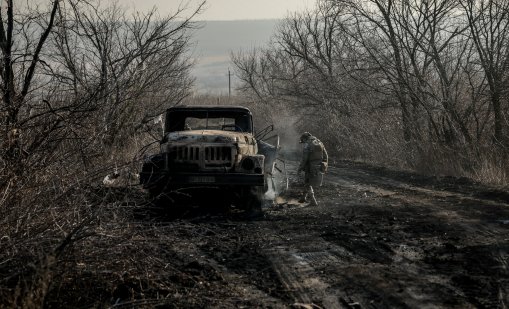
(212, 147)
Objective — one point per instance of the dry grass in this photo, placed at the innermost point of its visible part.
(46, 215)
(491, 171)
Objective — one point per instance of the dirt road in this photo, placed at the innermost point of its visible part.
(378, 239)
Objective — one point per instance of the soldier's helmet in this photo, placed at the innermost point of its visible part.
(304, 137)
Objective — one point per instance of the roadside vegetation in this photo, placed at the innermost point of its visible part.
(82, 84)
(420, 85)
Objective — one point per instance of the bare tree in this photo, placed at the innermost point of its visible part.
(75, 77)
(488, 22)
(303, 65)
(17, 76)
(434, 70)
(138, 62)
(434, 52)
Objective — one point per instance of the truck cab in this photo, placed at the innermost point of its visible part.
(204, 146)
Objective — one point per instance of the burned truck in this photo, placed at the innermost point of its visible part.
(212, 147)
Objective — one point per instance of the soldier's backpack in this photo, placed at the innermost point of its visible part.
(316, 151)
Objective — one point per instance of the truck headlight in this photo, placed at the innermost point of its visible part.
(248, 164)
(252, 164)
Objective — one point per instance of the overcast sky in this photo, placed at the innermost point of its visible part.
(227, 9)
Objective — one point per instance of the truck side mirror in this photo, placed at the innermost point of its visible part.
(163, 140)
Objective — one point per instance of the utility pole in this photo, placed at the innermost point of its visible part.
(229, 83)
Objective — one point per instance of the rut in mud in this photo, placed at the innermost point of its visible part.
(378, 239)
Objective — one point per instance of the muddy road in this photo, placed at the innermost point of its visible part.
(378, 239)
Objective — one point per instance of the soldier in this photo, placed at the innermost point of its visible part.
(314, 164)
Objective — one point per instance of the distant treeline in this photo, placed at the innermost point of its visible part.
(416, 84)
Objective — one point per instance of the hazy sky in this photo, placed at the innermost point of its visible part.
(227, 9)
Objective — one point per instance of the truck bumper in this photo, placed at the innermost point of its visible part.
(214, 179)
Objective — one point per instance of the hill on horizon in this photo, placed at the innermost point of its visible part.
(216, 40)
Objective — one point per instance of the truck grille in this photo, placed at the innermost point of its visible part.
(206, 156)
(220, 154)
(187, 153)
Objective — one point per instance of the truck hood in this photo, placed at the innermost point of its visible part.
(210, 136)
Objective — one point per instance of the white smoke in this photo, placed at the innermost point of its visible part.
(270, 194)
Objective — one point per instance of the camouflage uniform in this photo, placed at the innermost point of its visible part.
(314, 164)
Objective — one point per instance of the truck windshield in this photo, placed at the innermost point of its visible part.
(208, 120)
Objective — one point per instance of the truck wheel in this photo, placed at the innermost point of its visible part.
(155, 191)
(157, 187)
(152, 177)
(253, 201)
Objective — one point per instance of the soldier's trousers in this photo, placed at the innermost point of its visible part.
(312, 179)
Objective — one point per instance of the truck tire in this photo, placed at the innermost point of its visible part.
(253, 201)
(156, 189)
(152, 176)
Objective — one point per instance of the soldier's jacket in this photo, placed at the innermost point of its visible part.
(314, 157)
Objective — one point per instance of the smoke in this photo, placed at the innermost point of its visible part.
(286, 128)
(289, 148)
(277, 184)
(285, 123)
(271, 194)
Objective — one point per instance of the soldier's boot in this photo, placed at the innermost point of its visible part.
(313, 201)
(303, 198)
(312, 195)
